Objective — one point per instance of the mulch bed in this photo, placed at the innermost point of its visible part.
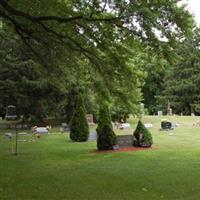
(127, 149)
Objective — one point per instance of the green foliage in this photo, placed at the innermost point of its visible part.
(182, 82)
(26, 83)
(156, 70)
(106, 137)
(79, 129)
(120, 114)
(72, 97)
(142, 136)
(104, 116)
(91, 43)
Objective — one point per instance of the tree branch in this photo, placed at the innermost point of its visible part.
(36, 19)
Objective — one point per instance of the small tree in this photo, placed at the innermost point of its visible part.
(106, 137)
(79, 129)
(142, 136)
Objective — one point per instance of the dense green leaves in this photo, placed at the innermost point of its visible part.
(142, 136)
(182, 82)
(90, 44)
(26, 83)
(106, 137)
(156, 70)
(79, 129)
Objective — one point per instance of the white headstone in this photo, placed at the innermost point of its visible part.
(148, 125)
(41, 130)
(142, 108)
(160, 113)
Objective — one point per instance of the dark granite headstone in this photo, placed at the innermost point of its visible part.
(165, 125)
(125, 140)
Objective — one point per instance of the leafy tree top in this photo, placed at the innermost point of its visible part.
(93, 27)
(182, 81)
(90, 41)
(104, 115)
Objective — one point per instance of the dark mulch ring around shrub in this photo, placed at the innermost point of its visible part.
(126, 149)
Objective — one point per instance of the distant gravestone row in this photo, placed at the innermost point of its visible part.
(169, 110)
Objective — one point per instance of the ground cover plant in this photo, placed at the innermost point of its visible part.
(56, 168)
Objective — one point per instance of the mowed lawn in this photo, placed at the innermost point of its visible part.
(55, 168)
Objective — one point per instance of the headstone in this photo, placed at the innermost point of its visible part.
(23, 133)
(116, 147)
(148, 125)
(169, 109)
(64, 128)
(160, 113)
(90, 119)
(124, 126)
(125, 140)
(92, 137)
(9, 135)
(166, 125)
(142, 108)
(41, 130)
(11, 113)
(170, 112)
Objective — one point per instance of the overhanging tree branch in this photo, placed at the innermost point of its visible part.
(36, 19)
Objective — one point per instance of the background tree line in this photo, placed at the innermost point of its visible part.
(107, 50)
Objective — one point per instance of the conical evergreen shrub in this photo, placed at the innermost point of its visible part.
(142, 136)
(106, 137)
(79, 129)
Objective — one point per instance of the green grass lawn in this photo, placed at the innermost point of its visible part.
(55, 168)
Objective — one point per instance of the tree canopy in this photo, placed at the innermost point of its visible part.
(91, 43)
(182, 81)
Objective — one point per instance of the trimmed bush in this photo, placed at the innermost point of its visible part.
(79, 129)
(106, 137)
(142, 136)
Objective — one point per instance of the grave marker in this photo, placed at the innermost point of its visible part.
(90, 119)
(92, 136)
(125, 140)
(160, 113)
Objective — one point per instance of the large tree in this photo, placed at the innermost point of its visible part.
(156, 69)
(96, 29)
(26, 83)
(182, 83)
(91, 40)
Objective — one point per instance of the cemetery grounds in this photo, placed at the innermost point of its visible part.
(55, 168)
